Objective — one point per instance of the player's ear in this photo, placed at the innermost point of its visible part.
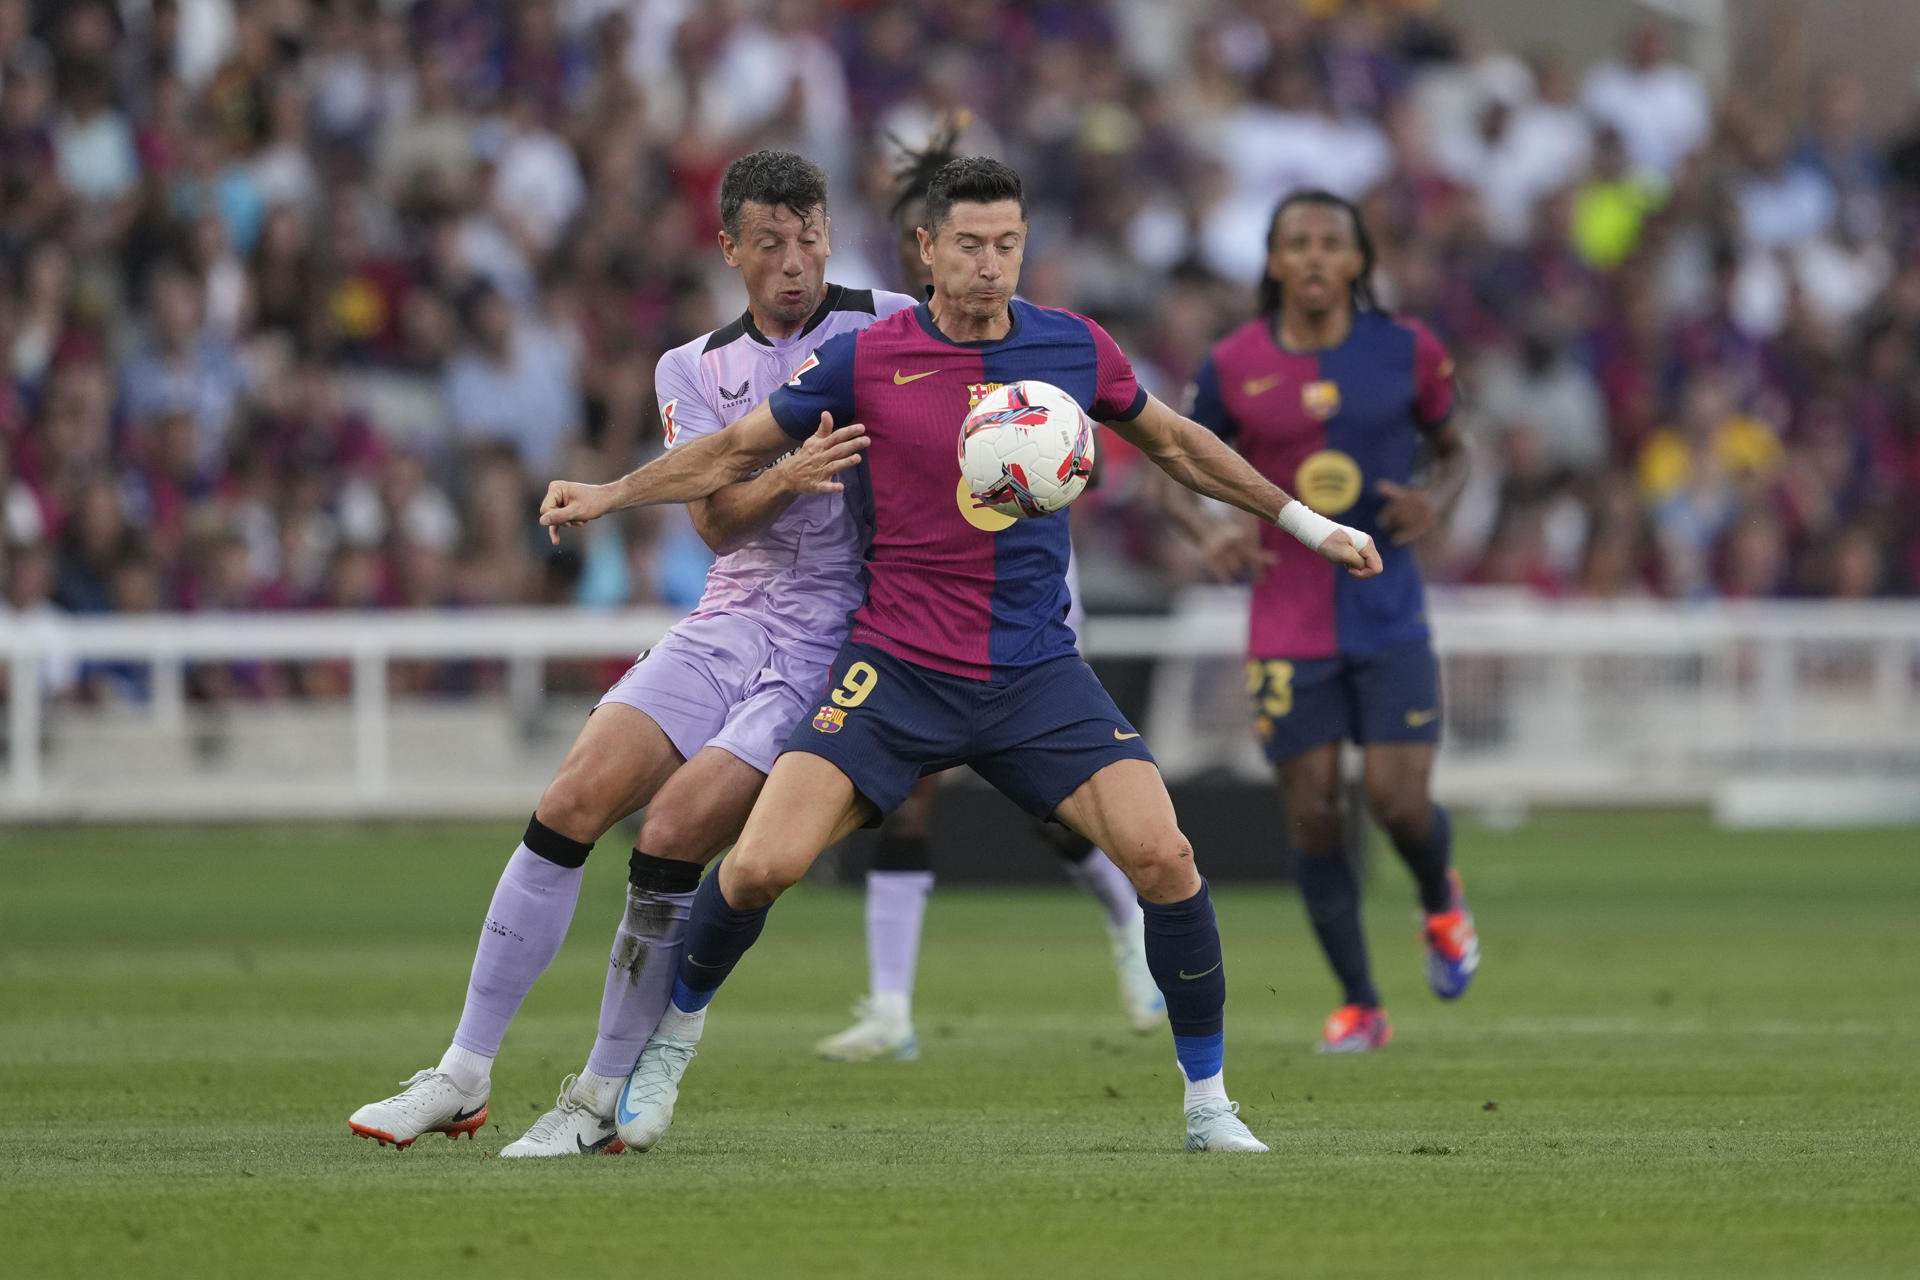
(728, 249)
(925, 239)
(826, 235)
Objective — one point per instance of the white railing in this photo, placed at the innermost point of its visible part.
(1770, 711)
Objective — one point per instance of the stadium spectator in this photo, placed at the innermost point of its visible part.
(513, 381)
(1659, 107)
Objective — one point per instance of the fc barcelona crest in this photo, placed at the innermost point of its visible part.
(829, 719)
(978, 391)
(1321, 399)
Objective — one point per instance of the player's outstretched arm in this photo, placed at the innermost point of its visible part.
(736, 515)
(697, 469)
(1198, 459)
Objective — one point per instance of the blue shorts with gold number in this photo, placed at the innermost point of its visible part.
(1392, 695)
(1035, 734)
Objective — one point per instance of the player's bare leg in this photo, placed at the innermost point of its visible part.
(1399, 792)
(806, 805)
(618, 762)
(1125, 809)
(1310, 793)
(694, 816)
(896, 910)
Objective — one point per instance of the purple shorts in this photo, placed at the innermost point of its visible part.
(718, 680)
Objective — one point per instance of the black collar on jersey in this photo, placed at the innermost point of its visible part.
(924, 314)
(839, 298)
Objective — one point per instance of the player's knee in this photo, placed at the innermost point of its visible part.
(1162, 869)
(752, 879)
(1403, 811)
(1315, 824)
(674, 831)
(574, 807)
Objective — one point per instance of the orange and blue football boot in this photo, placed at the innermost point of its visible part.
(1453, 946)
(1355, 1028)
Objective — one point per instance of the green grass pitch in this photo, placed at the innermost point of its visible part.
(1689, 1053)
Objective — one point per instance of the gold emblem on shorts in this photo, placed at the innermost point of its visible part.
(1328, 481)
(829, 719)
(1320, 399)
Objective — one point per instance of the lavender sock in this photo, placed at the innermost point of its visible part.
(1098, 876)
(646, 953)
(526, 922)
(896, 908)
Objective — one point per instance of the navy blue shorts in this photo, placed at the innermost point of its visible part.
(1035, 735)
(1389, 696)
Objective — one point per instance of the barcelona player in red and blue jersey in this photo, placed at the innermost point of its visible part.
(961, 653)
(1329, 394)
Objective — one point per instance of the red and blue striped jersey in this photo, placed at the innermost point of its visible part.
(1329, 426)
(951, 586)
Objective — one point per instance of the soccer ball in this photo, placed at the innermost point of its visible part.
(1026, 449)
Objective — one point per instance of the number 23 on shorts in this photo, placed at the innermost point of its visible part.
(855, 685)
(1269, 684)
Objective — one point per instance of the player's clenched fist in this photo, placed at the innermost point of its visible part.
(568, 502)
(1362, 560)
(1337, 542)
(823, 455)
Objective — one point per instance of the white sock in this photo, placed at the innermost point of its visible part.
(471, 1071)
(893, 1006)
(1212, 1089)
(680, 1024)
(600, 1091)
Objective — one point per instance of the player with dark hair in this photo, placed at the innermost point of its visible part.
(902, 875)
(691, 729)
(1328, 393)
(960, 653)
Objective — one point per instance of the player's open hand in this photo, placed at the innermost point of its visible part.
(1409, 513)
(1233, 552)
(823, 455)
(1362, 560)
(569, 503)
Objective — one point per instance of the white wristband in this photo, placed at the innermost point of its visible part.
(1313, 529)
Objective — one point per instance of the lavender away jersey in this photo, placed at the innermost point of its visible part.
(802, 577)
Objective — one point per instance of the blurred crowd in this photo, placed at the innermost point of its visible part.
(303, 301)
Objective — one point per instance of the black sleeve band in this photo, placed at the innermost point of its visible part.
(662, 875)
(553, 846)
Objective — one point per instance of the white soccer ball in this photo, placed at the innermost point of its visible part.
(1026, 449)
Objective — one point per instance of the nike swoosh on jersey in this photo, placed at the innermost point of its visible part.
(1193, 977)
(1260, 386)
(900, 380)
(1416, 719)
(1122, 737)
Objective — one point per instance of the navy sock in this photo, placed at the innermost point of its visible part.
(1429, 859)
(1332, 894)
(1183, 951)
(717, 936)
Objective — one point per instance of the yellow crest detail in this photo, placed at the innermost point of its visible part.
(978, 391)
(1328, 481)
(829, 719)
(984, 518)
(1320, 399)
